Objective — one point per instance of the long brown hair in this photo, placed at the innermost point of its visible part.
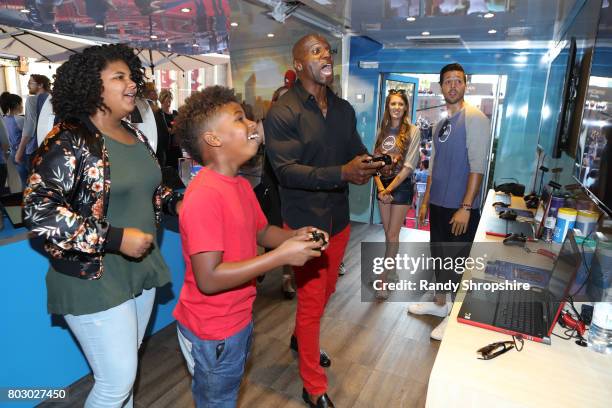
(403, 137)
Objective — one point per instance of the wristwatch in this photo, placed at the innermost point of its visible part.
(466, 206)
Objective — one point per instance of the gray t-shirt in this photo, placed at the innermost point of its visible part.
(476, 142)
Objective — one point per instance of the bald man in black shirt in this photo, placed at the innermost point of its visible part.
(315, 151)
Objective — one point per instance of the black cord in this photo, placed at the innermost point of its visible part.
(520, 340)
(584, 262)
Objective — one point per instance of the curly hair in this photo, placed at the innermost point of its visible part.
(196, 114)
(42, 80)
(77, 86)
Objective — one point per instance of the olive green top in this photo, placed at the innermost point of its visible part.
(134, 178)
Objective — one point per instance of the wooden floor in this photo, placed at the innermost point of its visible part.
(381, 357)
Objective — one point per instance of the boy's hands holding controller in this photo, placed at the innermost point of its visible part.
(307, 243)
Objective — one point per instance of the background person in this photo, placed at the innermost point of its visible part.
(39, 88)
(458, 161)
(94, 194)
(173, 150)
(269, 199)
(12, 106)
(400, 140)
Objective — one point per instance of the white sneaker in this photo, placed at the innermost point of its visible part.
(429, 308)
(438, 332)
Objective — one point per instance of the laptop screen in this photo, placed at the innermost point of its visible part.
(563, 274)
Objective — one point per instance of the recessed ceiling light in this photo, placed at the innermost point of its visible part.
(99, 26)
(153, 37)
(411, 19)
(234, 24)
(185, 10)
(25, 10)
(270, 35)
(492, 31)
(425, 33)
(489, 15)
(521, 58)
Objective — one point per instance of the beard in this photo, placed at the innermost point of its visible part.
(453, 100)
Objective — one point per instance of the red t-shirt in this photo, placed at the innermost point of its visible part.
(219, 213)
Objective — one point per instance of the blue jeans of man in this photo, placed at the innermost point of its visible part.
(110, 340)
(216, 366)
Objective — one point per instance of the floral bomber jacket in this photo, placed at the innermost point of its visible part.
(66, 199)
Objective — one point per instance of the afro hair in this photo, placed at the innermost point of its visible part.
(195, 115)
(77, 86)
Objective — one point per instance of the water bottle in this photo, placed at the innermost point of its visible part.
(600, 331)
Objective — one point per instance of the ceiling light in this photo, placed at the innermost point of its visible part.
(185, 10)
(270, 35)
(25, 10)
(521, 58)
(492, 31)
(489, 15)
(410, 19)
(153, 37)
(234, 24)
(99, 25)
(425, 33)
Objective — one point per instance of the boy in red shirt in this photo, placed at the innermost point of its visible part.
(221, 224)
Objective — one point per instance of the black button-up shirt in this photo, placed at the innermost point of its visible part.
(307, 151)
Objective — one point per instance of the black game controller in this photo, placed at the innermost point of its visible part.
(516, 240)
(531, 201)
(318, 236)
(385, 158)
(508, 215)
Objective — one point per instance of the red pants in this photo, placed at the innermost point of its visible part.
(316, 281)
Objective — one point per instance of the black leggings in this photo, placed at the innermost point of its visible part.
(445, 244)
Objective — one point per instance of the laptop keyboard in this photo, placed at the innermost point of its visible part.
(519, 311)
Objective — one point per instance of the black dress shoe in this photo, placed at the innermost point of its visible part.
(322, 402)
(324, 360)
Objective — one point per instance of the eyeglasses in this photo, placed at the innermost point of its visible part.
(397, 91)
(498, 348)
(445, 131)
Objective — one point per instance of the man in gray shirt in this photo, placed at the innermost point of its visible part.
(39, 87)
(458, 161)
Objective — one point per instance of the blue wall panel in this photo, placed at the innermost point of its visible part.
(36, 349)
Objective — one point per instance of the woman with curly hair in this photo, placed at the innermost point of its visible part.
(94, 194)
(400, 140)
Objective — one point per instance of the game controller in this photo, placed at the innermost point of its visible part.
(508, 215)
(531, 201)
(318, 236)
(385, 158)
(516, 240)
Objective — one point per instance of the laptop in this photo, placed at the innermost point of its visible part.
(531, 313)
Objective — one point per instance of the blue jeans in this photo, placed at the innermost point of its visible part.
(110, 340)
(216, 366)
